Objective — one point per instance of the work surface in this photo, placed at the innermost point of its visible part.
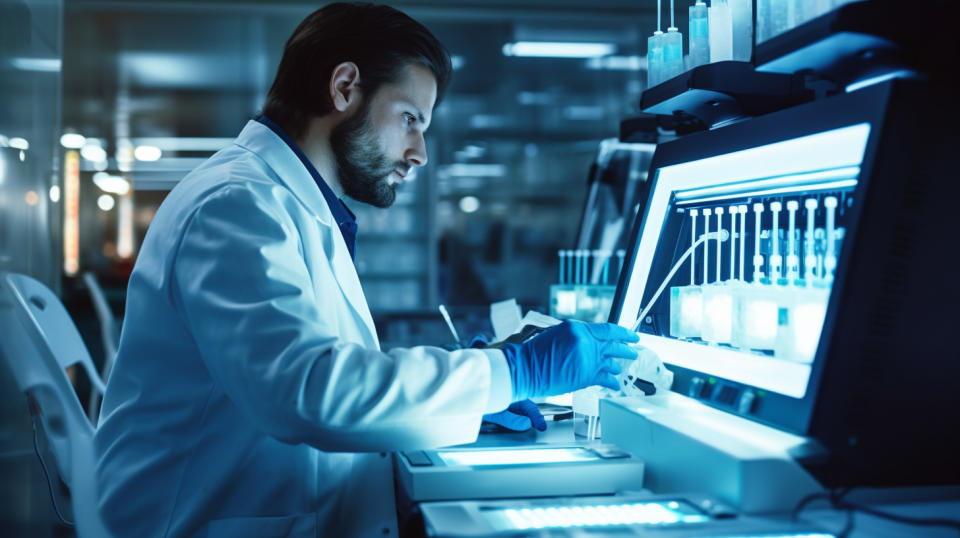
(909, 503)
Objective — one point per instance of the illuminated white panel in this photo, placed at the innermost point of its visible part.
(515, 457)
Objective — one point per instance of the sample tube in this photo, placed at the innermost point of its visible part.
(606, 268)
(733, 243)
(699, 36)
(743, 237)
(793, 261)
(757, 257)
(706, 244)
(719, 212)
(810, 260)
(776, 262)
(721, 31)
(578, 254)
(563, 261)
(672, 51)
(693, 241)
(830, 258)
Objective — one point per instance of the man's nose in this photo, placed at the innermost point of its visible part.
(416, 154)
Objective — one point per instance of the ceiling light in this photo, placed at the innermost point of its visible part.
(113, 184)
(47, 65)
(19, 143)
(558, 49)
(92, 151)
(469, 204)
(72, 140)
(147, 153)
(105, 202)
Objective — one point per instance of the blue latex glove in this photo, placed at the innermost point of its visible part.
(567, 357)
(519, 417)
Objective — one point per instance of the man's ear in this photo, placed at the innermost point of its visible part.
(345, 86)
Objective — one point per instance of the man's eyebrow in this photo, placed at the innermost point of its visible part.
(417, 112)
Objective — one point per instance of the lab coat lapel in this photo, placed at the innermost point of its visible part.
(259, 139)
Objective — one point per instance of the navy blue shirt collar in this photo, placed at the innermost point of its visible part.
(346, 220)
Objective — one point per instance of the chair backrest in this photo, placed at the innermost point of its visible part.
(39, 342)
(109, 333)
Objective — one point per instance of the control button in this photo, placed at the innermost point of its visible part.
(696, 385)
(745, 404)
(418, 458)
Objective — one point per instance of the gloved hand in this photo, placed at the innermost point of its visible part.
(568, 357)
(519, 417)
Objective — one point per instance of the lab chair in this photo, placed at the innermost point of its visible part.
(39, 343)
(109, 334)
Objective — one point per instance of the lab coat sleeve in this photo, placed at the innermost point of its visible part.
(272, 343)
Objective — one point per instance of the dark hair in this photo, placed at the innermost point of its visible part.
(379, 39)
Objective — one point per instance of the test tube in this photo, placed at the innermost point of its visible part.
(706, 244)
(810, 260)
(693, 241)
(830, 258)
(733, 243)
(719, 212)
(563, 261)
(742, 209)
(776, 262)
(757, 257)
(606, 268)
(570, 266)
(578, 254)
(621, 254)
(793, 261)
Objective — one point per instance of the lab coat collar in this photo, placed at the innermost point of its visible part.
(346, 220)
(259, 139)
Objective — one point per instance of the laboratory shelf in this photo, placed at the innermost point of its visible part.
(722, 92)
(854, 41)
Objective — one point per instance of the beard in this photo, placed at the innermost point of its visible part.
(361, 166)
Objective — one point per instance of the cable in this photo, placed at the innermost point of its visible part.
(837, 502)
(31, 403)
(721, 235)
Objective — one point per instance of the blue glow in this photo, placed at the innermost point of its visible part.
(600, 515)
(527, 456)
(860, 84)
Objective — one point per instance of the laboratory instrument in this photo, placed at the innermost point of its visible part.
(622, 515)
(535, 470)
(807, 347)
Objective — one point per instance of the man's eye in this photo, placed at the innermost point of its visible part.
(409, 119)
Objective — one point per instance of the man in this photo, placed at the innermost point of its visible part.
(249, 374)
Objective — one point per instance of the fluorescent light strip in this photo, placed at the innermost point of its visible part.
(653, 513)
(806, 180)
(515, 456)
(557, 49)
(829, 186)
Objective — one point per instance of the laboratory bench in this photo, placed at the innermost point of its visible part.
(816, 519)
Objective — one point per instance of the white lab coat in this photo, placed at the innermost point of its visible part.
(249, 368)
